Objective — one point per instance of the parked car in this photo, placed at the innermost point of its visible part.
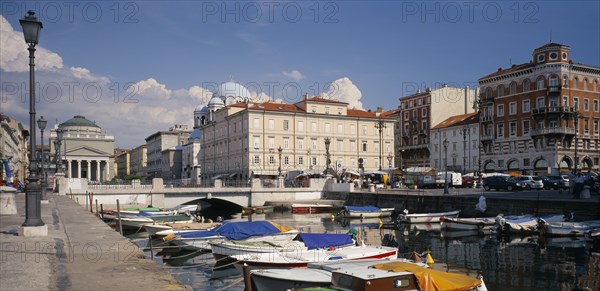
(501, 183)
(555, 182)
(468, 182)
(566, 181)
(531, 182)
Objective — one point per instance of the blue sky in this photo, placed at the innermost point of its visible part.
(174, 52)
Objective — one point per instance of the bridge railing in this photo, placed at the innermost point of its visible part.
(236, 183)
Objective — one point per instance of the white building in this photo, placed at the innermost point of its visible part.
(462, 134)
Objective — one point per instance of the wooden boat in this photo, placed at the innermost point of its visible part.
(315, 275)
(484, 224)
(402, 276)
(365, 211)
(525, 224)
(567, 228)
(302, 258)
(240, 231)
(139, 222)
(406, 217)
(303, 242)
(298, 208)
(162, 230)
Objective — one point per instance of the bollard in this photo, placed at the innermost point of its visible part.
(247, 278)
(151, 251)
(97, 213)
(91, 202)
(119, 217)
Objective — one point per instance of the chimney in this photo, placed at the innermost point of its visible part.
(379, 109)
(305, 96)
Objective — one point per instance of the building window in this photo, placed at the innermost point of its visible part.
(313, 127)
(552, 123)
(500, 163)
(586, 104)
(256, 123)
(540, 102)
(526, 127)
(540, 83)
(326, 110)
(353, 145)
(526, 85)
(286, 143)
(424, 112)
(352, 163)
(565, 102)
(327, 127)
(500, 111)
(314, 161)
(340, 145)
(513, 128)
(300, 160)
(596, 106)
(512, 108)
(286, 125)
(339, 111)
(575, 82)
(513, 88)
(313, 109)
(500, 91)
(300, 144)
(596, 127)
(314, 144)
(271, 160)
(405, 115)
(300, 125)
(256, 159)
(526, 106)
(364, 146)
(286, 160)
(340, 129)
(271, 143)
(553, 81)
(352, 129)
(364, 129)
(271, 124)
(256, 142)
(500, 130)
(576, 103)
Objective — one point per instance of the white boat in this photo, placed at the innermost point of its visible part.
(302, 258)
(315, 275)
(567, 228)
(242, 231)
(484, 224)
(526, 224)
(365, 212)
(406, 217)
(138, 222)
(304, 241)
(162, 230)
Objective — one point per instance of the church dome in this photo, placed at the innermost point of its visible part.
(79, 120)
(231, 89)
(201, 108)
(215, 101)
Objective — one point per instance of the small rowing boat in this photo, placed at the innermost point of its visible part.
(365, 211)
(406, 217)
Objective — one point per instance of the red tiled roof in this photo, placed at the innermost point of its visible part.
(269, 106)
(509, 70)
(365, 114)
(324, 100)
(389, 113)
(458, 120)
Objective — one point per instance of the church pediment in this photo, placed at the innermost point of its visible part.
(87, 151)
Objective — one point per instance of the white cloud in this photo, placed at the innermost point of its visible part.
(294, 74)
(344, 90)
(14, 56)
(260, 97)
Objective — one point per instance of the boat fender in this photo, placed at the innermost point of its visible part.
(331, 248)
(430, 260)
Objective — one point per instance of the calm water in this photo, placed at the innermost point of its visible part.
(518, 263)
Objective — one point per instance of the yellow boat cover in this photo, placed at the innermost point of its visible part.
(281, 227)
(430, 279)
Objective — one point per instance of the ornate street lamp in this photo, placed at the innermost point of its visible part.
(576, 124)
(380, 125)
(41, 122)
(279, 169)
(57, 150)
(31, 31)
(327, 143)
(446, 166)
(390, 158)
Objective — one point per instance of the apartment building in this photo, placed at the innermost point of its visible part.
(541, 116)
(461, 153)
(137, 161)
(159, 141)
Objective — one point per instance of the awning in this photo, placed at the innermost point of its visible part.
(265, 173)
(219, 176)
(232, 175)
(354, 173)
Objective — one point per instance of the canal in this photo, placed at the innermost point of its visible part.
(506, 262)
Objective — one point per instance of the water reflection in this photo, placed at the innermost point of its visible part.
(515, 262)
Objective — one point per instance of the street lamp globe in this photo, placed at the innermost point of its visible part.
(41, 123)
(31, 28)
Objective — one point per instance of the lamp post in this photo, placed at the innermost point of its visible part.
(279, 150)
(576, 124)
(327, 143)
(380, 125)
(41, 122)
(479, 111)
(465, 129)
(390, 158)
(31, 29)
(446, 166)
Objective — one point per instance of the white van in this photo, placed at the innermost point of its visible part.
(454, 179)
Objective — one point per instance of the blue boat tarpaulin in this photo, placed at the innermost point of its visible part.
(325, 240)
(368, 208)
(236, 230)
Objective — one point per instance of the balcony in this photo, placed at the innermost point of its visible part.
(554, 89)
(562, 130)
(487, 137)
(405, 135)
(414, 146)
(487, 118)
(553, 110)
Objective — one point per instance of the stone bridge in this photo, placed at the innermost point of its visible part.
(159, 195)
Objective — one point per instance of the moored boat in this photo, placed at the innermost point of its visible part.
(162, 230)
(567, 228)
(525, 224)
(298, 208)
(137, 223)
(365, 211)
(406, 217)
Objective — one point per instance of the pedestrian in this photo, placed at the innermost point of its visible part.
(579, 183)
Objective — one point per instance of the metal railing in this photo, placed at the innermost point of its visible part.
(553, 130)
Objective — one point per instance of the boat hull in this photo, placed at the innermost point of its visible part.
(426, 217)
(384, 212)
(287, 279)
(311, 208)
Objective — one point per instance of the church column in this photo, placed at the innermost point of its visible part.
(69, 170)
(78, 169)
(88, 175)
(106, 170)
(98, 170)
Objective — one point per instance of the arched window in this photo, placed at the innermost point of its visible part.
(540, 83)
(596, 85)
(586, 84)
(526, 85)
(553, 81)
(500, 91)
(488, 92)
(565, 82)
(513, 88)
(576, 83)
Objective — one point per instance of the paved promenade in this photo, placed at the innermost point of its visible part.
(79, 253)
